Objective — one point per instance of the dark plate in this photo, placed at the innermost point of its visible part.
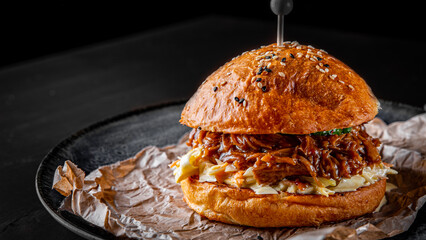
(121, 137)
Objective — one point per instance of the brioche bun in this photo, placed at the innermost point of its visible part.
(309, 91)
(294, 89)
(244, 207)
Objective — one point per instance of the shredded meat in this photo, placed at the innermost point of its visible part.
(275, 156)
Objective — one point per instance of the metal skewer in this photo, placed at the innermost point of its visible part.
(281, 8)
(280, 30)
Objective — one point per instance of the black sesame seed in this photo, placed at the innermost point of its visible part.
(241, 100)
(264, 89)
(268, 57)
(319, 59)
(260, 71)
(268, 70)
(199, 128)
(283, 60)
(237, 99)
(258, 79)
(291, 55)
(259, 238)
(215, 89)
(326, 65)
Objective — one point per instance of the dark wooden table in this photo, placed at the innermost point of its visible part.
(46, 100)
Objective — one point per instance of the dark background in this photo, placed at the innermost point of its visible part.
(67, 65)
(34, 30)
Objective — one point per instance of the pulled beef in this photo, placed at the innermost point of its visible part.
(276, 156)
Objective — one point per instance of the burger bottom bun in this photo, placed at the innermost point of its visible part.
(243, 207)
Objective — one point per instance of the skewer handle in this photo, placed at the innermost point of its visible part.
(281, 8)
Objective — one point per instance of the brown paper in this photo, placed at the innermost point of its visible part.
(139, 198)
(68, 178)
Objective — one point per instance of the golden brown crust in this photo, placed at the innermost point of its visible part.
(312, 92)
(244, 207)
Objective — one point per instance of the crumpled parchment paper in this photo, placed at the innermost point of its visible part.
(138, 197)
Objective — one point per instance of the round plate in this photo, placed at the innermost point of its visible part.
(121, 137)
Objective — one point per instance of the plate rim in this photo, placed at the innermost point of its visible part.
(69, 140)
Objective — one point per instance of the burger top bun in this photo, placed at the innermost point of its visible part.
(294, 89)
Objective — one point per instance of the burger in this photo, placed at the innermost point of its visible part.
(278, 140)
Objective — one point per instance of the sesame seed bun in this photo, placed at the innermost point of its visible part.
(243, 207)
(294, 89)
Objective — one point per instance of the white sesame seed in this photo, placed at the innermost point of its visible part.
(299, 54)
(333, 76)
(275, 57)
(269, 64)
(294, 44)
(245, 103)
(326, 70)
(319, 53)
(321, 70)
(322, 50)
(312, 59)
(309, 46)
(281, 74)
(227, 74)
(307, 56)
(309, 50)
(224, 83)
(259, 84)
(340, 81)
(282, 63)
(351, 87)
(320, 64)
(299, 47)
